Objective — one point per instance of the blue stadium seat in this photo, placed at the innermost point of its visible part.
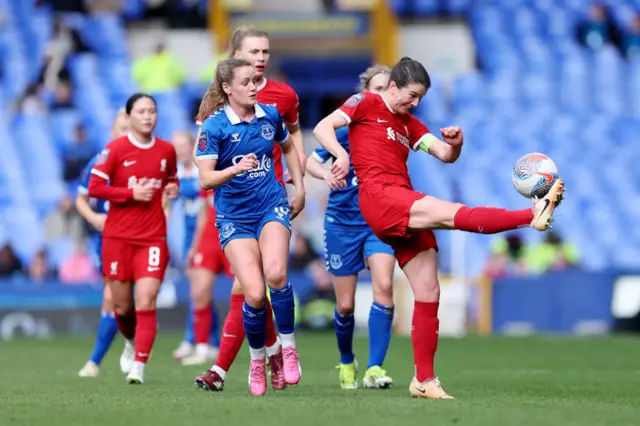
(63, 124)
(425, 7)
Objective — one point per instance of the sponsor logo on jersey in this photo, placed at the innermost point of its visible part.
(268, 132)
(263, 168)
(155, 183)
(395, 136)
(102, 158)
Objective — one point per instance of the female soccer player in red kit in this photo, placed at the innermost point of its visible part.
(381, 132)
(138, 167)
(252, 45)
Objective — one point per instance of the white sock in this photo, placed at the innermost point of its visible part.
(220, 371)
(138, 366)
(288, 340)
(202, 349)
(257, 354)
(130, 343)
(273, 349)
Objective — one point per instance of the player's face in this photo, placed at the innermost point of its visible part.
(405, 98)
(378, 83)
(255, 50)
(184, 148)
(120, 127)
(242, 89)
(143, 116)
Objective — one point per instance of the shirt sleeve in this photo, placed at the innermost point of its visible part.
(209, 142)
(321, 155)
(83, 186)
(292, 113)
(352, 110)
(105, 163)
(172, 167)
(282, 132)
(417, 132)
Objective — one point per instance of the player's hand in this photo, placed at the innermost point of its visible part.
(296, 205)
(335, 183)
(452, 135)
(98, 220)
(171, 190)
(340, 167)
(143, 191)
(189, 258)
(248, 162)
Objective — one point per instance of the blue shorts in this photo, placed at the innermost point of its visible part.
(230, 230)
(345, 250)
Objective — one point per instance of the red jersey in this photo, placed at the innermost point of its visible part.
(285, 99)
(380, 140)
(123, 163)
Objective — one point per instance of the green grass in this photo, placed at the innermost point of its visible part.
(497, 381)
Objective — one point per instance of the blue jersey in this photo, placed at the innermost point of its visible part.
(189, 197)
(343, 209)
(98, 206)
(226, 138)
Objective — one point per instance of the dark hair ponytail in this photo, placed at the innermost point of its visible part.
(131, 102)
(408, 71)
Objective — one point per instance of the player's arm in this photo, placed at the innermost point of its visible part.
(295, 133)
(101, 174)
(292, 118)
(292, 159)
(317, 170)
(447, 151)
(325, 133)
(82, 199)
(207, 159)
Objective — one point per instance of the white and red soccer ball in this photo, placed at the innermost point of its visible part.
(534, 174)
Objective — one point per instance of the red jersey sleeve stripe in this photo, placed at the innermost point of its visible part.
(99, 173)
(345, 115)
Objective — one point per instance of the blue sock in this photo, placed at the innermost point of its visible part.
(189, 335)
(255, 325)
(107, 330)
(380, 321)
(284, 308)
(344, 325)
(214, 337)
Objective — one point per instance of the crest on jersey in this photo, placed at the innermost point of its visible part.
(102, 158)
(235, 137)
(354, 100)
(227, 230)
(268, 132)
(203, 141)
(163, 165)
(335, 261)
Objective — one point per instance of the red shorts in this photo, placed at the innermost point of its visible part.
(386, 209)
(128, 262)
(209, 254)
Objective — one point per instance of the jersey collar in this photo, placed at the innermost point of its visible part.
(386, 103)
(233, 117)
(139, 144)
(262, 84)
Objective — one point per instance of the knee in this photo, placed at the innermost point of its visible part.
(276, 275)
(236, 288)
(146, 298)
(200, 294)
(429, 291)
(122, 307)
(383, 292)
(345, 306)
(255, 295)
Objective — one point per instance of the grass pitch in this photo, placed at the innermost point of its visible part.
(497, 381)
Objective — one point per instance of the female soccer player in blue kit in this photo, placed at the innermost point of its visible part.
(350, 246)
(95, 212)
(235, 156)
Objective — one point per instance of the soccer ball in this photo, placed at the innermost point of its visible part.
(534, 174)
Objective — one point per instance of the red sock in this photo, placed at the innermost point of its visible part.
(126, 324)
(146, 330)
(272, 335)
(232, 334)
(424, 336)
(202, 319)
(491, 220)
